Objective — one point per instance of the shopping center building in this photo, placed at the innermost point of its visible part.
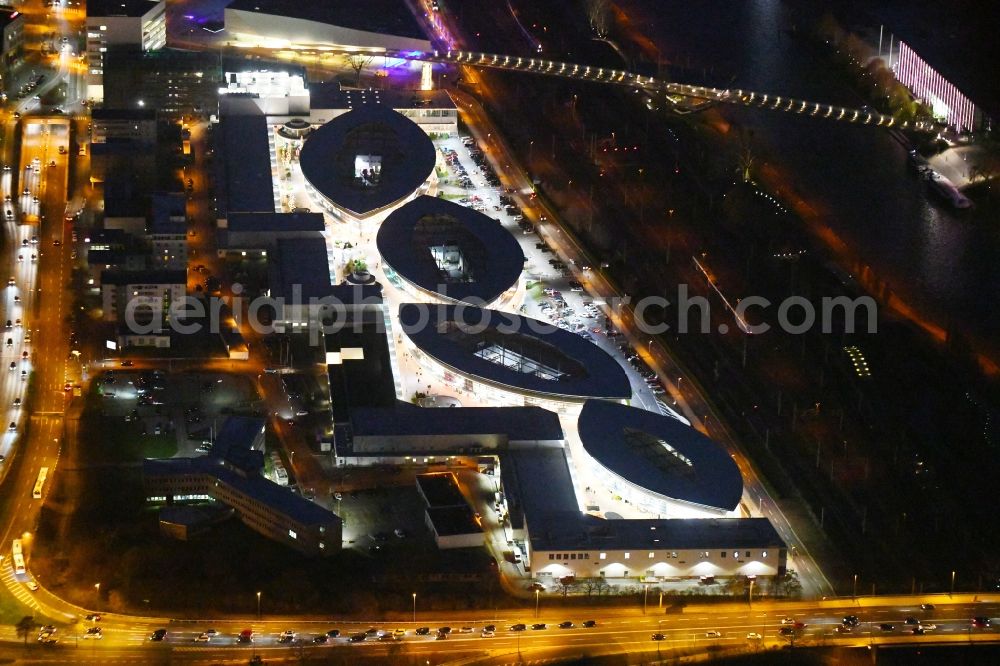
(366, 162)
(439, 251)
(506, 359)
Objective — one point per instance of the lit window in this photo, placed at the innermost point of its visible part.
(293, 534)
(322, 546)
(764, 554)
(651, 556)
(604, 556)
(626, 556)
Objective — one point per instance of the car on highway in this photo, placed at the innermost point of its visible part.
(357, 638)
(658, 637)
(518, 627)
(211, 632)
(94, 632)
(333, 633)
(754, 636)
(981, 622)
(488, 634)
(590, 623)
(422, 631)
(11, 282)
(930, 626)
(12, 427)
(538, 626)
(843, 629)
(926, 607)
(444, 630)
(93, 617)
(158, 635)
(912, 621)
(850, 621)
(566, 625)
(886, 626)
(17, 402)
(466, 630)
(321, 639)
(202, 638)
(787, 620)
(246, 636)
(786, 631)
(399, 633)
(713, 634)
(32, 585)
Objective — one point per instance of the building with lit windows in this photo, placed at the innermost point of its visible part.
(231, 474)
(583, 546)
(140, 23)
(501, 357)
(11, 46)
(126, 124)
(366, 162)
(147, 293)
(441, 251)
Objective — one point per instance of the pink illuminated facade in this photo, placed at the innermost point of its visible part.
(945, 100)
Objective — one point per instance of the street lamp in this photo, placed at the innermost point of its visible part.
(750, 595)
(258, 605)
(855, 593)
(97, 587)
(645, 594)
(536, 602)
(414, 607)
(952, 584)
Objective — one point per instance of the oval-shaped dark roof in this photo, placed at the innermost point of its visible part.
(660, 454)
(514, 352)
(329, 153)
(450, 250)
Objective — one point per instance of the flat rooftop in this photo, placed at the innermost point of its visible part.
(367, 159)
(120, 277)
(440, 489)
(388, 17)
(578, 531)
(518, 424)
(537, 481)
(660, 454)
(450, 250)
(358, 383)
(268, 221)
(514, 352)
(299, 269)
(140, 115)
(332, 95)
(453, 520)
(244, 183)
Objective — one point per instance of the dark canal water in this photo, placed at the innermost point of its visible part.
(856, 179)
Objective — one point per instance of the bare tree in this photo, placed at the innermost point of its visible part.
(358, 63)
(599, 15)
(25, 626)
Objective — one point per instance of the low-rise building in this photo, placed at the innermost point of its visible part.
(231, 474)
(125, 124)
(166, 231)
(255, 234)
(141, 296)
